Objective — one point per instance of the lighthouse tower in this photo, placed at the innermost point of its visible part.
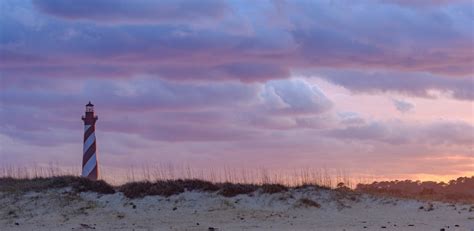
(90, 168)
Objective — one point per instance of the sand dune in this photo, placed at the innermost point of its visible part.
(297, 209)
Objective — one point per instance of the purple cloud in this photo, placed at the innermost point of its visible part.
(297, 41)
(403, 106)
(397, 133)
(141, 94)
(424, 3)
(166, 111)
(414, 84)
(295, 97)
(139, 11)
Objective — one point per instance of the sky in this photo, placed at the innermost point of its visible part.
(384, 88)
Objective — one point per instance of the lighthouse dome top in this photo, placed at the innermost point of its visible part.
(89, 104)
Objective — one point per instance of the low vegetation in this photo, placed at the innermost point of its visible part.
(165, 188)
(135, 189)
(459, 190)
(78, 184)
(231, 190)
(273, 188)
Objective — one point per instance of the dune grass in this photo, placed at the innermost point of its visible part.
(168, 188)
(169, 180)
(137, 189)
(163, 172)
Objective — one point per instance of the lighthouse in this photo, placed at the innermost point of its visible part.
(90, 168)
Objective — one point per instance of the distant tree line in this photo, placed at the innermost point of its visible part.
(460, 189)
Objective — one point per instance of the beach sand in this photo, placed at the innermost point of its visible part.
(63, 209)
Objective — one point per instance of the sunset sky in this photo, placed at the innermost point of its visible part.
(373, 87)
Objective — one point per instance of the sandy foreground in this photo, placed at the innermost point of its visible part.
(66, 210)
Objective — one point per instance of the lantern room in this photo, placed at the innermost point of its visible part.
(90, 107)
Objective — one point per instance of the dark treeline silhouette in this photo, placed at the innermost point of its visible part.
(460, 189)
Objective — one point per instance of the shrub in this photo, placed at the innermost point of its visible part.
(231, 190)
(78, 184)
(273, 188)
(165, 188)
(136, 189)
(198, 185)
(98, 186)
(315, 186)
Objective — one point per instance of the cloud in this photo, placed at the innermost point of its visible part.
(372, 131)
(398, 133)
(410, 43)
(424, 3)
(295, 96)
(280, 39)
(412, 84)
(402, 105)
(139, 94)
(350, 118)
(139, 11)
(449, 133)
(164, 110)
